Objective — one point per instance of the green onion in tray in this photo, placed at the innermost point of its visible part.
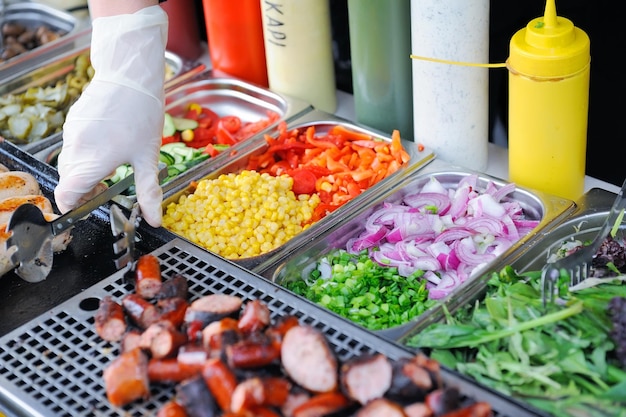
(360, 289)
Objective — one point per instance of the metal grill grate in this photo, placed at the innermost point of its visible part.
(52, 366)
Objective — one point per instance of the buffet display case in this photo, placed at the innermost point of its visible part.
(322, 123)
(297, 265)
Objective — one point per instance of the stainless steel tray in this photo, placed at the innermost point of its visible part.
(57, 67)
(52, 365)
(322, 122)
(32, 15)
(537, 206)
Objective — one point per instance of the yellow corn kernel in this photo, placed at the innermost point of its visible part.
(240, 215)
(187, 135)
(195, 107)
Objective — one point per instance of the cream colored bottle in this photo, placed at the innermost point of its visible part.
(549, 65)
(298, 50)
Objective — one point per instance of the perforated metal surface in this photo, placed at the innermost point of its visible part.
(52, 366)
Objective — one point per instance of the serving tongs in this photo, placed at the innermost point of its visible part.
(579, 264)
(30, 243)
(124, 229)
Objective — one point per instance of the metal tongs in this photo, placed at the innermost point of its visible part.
(579, 264)
(30, 243)
(125, 231)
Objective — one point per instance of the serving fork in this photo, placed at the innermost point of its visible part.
(578, 265)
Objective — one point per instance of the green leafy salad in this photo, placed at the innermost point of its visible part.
(561, 358)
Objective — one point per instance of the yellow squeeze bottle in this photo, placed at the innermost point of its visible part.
(549, 63)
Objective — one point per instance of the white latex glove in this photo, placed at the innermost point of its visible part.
(119, 116)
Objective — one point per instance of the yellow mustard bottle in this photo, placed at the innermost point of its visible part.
(549, 65)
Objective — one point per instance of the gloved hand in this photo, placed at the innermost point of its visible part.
(119, 116)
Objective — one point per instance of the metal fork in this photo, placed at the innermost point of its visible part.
(579, 263)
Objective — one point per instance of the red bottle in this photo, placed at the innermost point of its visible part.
(183, 36)
(235, 39)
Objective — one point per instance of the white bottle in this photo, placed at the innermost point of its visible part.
(450, 101)
(298, 50)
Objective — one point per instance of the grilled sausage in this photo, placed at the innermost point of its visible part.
(171, 409)
(443, 400)
(479, 409)
(308, 359)
(322, 405)
(410, 382)
(252, 352)
(215, 334)
(259, 392)
(166, 342)
(254, 317)
(192, 357)
(172, 310)
(221, 382)
(366, 377)
(9, 204)
(126, 378)
(130, 340)
(140, 311)
(18, 183)
(194, 395)
(418, 409)
(213, 307)
(168, 370)
(148, 280)
(176, 286)
(277, 331)
(381, 407)
(109, 320)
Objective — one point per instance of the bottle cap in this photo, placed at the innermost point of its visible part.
(549, 46)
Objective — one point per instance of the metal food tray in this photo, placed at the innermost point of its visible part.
(536, 205)
(33, 14)
(322, 122)
(57, 67)
(52, 366)
(583, 223)
(87, 260)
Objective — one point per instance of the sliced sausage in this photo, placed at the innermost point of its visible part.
(18, 183)
(254, 317)
(130, 340)
(109, 320)
(410, 382)
(217, 335)
(479, 409)
(171, 409)
(168, 370)
(148, 279)
(443, 400)
(140, 311)
(213, 307)
(194, 395)
(252, 352)
(166, 342)
(366, 377)
(322, 404)
(9, 204)
(176, 286)
(309, 360)
(172, 310)
(192, 357)
(221, 382)
(259, 392)
(381, 407)
(418, 410)
(126, 378)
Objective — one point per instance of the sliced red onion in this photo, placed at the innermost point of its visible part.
(452, 243)
(441, 202)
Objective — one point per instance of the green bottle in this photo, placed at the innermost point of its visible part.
(380, 49)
